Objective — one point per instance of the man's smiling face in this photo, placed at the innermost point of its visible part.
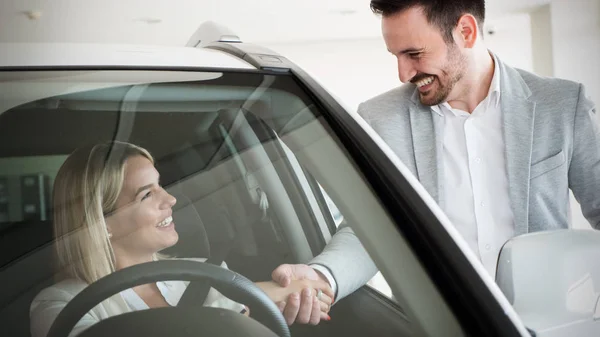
(424, 57)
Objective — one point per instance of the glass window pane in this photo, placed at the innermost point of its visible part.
(234, 150)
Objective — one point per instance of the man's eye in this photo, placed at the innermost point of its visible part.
(147, 195)
(414, 55)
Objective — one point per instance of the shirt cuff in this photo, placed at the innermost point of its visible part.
(325, 271)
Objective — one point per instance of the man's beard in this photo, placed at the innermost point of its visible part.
(453, 71)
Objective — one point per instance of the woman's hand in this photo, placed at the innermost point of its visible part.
(297, 288)
(300, 309)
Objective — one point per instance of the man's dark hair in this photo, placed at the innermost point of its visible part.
(442, 13)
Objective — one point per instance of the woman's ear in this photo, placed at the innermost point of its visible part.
(108, 223)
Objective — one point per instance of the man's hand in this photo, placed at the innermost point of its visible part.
(302, 307)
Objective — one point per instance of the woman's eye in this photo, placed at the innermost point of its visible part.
(147, 195)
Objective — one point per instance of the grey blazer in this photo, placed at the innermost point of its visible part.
(552, 138)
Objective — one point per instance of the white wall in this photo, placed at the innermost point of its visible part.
(575, 35)
(541, 41)
(352, 70)
(356, 70)
(512, 40)
(576, 42)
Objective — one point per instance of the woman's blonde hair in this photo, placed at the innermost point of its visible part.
(86, 189)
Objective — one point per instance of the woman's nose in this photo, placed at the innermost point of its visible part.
(169, 200)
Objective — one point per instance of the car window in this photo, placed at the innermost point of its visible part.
(378, 282)
(229, 146)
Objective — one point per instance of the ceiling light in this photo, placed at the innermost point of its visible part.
(344, 11)
(33, 15)
(150, 21)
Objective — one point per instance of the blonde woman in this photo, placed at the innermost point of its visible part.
(110, 212)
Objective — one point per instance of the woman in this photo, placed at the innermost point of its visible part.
(110, 212)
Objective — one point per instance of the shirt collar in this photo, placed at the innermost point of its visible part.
(493, 93)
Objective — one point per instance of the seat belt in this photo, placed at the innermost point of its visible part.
(197, 292)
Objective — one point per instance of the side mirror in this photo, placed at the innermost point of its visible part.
(552, 279)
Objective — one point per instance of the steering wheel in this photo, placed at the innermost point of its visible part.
(229, 283)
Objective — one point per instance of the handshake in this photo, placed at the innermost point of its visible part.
(302, 294)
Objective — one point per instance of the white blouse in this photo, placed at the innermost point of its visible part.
(172, 292)
(49, 302)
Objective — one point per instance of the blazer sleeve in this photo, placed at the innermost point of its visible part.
(348, 261)
(584, 169)
(45, 308)
(362, 112)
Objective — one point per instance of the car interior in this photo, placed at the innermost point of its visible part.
(220, 147)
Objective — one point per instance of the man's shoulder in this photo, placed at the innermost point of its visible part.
(393, 96)
(548, 86)
(392, 100)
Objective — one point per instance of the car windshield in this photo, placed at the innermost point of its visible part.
(247, 167)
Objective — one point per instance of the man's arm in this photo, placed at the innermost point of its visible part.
(344, 264)
(584, 171)
(348, 262)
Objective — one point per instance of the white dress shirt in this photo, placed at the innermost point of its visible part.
(475, 177)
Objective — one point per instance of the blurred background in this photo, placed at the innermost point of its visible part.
(338, 42)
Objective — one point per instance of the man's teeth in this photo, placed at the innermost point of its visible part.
(424, 82)
(165, 222)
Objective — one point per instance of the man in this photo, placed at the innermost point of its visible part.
(498, 148)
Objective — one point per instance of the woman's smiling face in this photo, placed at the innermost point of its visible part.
(142, 222)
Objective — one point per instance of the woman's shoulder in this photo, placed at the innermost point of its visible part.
(64, 290)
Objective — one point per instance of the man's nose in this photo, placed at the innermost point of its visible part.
(406, 71)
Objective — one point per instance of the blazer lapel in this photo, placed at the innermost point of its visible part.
(519, 116)
(427, 138)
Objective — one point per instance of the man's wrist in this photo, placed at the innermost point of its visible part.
(325, 275)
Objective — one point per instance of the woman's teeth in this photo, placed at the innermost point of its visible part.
(424, 82)
(165, 222)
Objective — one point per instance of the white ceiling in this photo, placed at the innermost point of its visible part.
(172, 22)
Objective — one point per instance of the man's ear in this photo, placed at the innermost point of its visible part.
(467, 31)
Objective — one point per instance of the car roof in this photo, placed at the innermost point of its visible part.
(109, 55)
